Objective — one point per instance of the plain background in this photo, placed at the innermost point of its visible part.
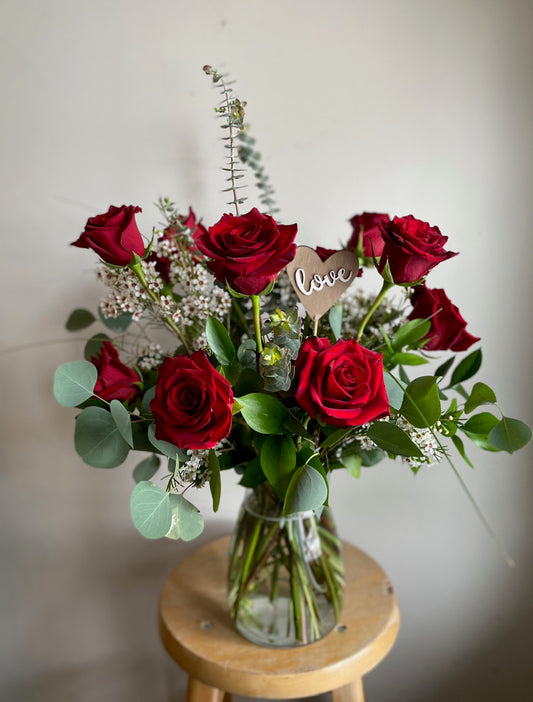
(415, 106)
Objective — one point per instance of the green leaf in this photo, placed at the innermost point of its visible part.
(444, 367)
(79, 319)
(116, 324)
(146, 469)
(215, 483)
(468, 367)
(263, 413)
(402, 358)
(421, 404)
(335, 320)
(253, 474)
(352, 462)
(410, 333)
(510, 435)
(187, 522)
(459, 445)
(151, 510)
(278, 460)
(93, 346)
(219, 342)
(166, 448)
(122, 419)
(481, 395)
(478, 428)
(74, 382)
(307, 491)
(394, 390)
(147, 398)
(392, 439)
(97, 439)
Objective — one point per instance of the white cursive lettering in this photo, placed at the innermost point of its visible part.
(317, 282)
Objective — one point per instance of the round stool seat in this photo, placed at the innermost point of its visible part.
(198, 633)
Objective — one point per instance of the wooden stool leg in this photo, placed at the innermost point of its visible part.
(349, 693)
(200, 692)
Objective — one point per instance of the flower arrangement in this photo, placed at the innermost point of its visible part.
(229, 347)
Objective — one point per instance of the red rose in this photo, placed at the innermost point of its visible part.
(116, 381)
(193, 403)
(366, 236)
(247, 251)
(447, 325)
(342, 383)
(114, 236)
(411, 248)
(324, 253)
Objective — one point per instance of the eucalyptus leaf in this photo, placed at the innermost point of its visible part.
(166, 448)
(122, 419)
(478, 428)
(335, 320)
(116, 324)
(147, 399)
(187, 522)
(151, 510)
(219, 342)
(421, 404)
(146, 469)
(79, 319)
(394, 389)
(215, 483)
(263, 413)
(510, 435)
(392, 439)
(481, 395)
(74, 382)
(307, 491)
(93, 346)
(97, 440)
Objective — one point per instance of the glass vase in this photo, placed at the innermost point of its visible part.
(286, 573)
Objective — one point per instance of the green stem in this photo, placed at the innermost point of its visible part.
(377, 302)
(257, 323)
(137, 269)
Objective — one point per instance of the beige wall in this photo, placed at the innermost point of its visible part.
(419, 107)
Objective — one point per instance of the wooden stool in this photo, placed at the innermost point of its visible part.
(198, 633)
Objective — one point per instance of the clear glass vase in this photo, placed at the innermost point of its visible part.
(286, 574)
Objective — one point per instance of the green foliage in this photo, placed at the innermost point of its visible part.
(151, 510)
(307, 490)
(263, 413)
(117, 324)
(481, 395)
(250, 157)
(478, 428)
(146, 469)
(392, 439)
(467, 368)
(510, 435)
(74, 383)
(187, 522)
(215, 483)
(164, 447)
(335, 320)
(278, 461)
(421, 403)
(79, 319)
(97, 439)
(395, 390)
(93, 346)
(220, 343)
(122, 419)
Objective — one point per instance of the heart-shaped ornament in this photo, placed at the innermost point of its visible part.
(319, 284)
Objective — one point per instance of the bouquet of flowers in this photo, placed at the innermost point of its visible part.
(229, 347)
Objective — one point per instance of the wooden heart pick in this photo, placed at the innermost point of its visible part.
(319, 284)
